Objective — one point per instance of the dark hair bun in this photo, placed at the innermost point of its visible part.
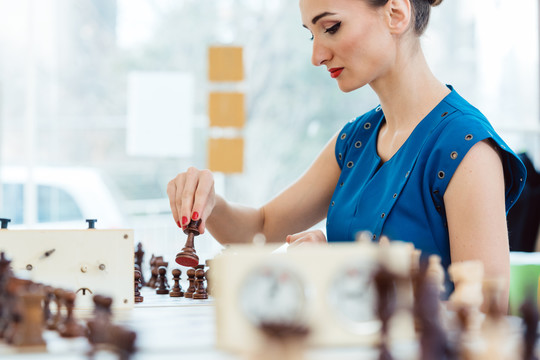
(435, 2)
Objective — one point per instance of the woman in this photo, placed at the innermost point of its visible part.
(424, 166)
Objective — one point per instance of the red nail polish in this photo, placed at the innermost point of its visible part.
(195, 216)
(184, 220)
(178, 223)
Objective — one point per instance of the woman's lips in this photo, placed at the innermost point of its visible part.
(335, 72)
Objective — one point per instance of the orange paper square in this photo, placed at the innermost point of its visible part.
(225, 63)
(226, 109)
(226, 155)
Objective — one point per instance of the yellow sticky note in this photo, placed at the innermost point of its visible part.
(225, 63)
(226, 155)
(226, 109)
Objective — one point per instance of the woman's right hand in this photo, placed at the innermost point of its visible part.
(192, 197)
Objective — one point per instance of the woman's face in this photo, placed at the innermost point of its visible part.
(350, 38)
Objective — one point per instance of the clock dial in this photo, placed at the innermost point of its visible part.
(352, 296)
(273, 294)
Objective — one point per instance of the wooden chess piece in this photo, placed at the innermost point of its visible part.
(162, 289)
(176, 291)
(188, 256)
(30, 328)
(70, 327)
(384, 282)
(139, 256)
(208, 276)
(123, 341)
(200, 292)
(152, 283)
(99, 326)
(191, 288)
(529, 312)
(48, 296)
(138, 297)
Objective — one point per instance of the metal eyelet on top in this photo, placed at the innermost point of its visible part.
(343, 136)
(358, 144)
(340, 156)
(378, 109)
(441, 174)
(394, 196)
(350, 164)
(454, 155)
(444, 114)
(468, 137)
(367, 126)
(383, 215)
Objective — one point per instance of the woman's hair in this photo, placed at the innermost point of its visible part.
(420, 11)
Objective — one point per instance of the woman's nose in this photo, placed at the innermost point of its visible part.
(321, 53)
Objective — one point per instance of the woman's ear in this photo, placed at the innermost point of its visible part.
(399, 15)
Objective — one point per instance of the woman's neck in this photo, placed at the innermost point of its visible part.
(408, 91)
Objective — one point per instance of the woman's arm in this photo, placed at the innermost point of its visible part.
(476, 213)
(300, 206)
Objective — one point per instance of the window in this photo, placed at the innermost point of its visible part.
(56, 205)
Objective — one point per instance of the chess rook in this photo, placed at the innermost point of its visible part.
(188, 257)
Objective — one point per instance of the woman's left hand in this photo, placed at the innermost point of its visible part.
(306, 237)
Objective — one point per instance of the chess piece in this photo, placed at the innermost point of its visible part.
(139, 256)
(176, 291)
(70, 326)
(138, 297)
(154, 260)
(435, 272)
(495, 328)
(99, 325)
(163, 288)
(386, 303)
(467, 296)
(48, 296)
(434, 343)
(57, 319)
(208, 276)
(188, 256)
(191, 288)
(529, 312)
(200, 292)
(29, 330)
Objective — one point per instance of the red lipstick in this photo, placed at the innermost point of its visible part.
(335, 72)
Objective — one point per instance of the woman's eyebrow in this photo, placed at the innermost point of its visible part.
(318, 17)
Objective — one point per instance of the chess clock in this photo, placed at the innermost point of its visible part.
(88, 262)
(273, 293)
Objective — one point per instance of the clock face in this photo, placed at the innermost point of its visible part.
(352, 296)
(273, 294)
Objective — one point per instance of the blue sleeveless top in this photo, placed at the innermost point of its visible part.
(403, 197)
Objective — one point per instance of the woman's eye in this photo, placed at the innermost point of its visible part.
(333, 29)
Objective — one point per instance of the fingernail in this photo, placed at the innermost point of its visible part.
(184, 220)
(178, 223)
(195, 216)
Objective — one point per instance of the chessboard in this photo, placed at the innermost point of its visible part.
(166, 328)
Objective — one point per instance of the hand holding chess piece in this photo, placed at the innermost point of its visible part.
(188, 257)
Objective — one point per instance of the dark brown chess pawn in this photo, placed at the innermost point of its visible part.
(176, 291)
(191, 288)
(138, 297)
(188, 256)
(139, 256)
(163, 289)
(70, 327)
(200, 293)
(48, 296)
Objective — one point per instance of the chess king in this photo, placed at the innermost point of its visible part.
(423, 166)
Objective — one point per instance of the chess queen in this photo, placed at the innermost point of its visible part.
(423, 166)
